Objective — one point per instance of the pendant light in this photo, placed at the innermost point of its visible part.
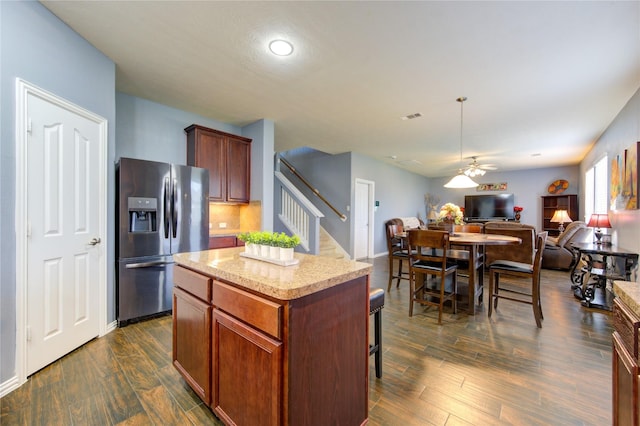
(461, 180)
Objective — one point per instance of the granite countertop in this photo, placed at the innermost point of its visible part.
(629, 293)
(310, 275)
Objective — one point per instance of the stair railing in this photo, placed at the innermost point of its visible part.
(341, 215)
(297, 214)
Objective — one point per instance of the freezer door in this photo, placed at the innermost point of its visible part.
(190, 209)
(144, 287)
(142, 183)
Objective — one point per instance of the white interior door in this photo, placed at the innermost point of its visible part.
(65, 201)
(363, 235)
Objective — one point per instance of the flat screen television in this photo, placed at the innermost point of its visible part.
(483, 207)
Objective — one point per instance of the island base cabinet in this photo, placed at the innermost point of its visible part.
(247, 371)
(625, 369)
(192, 341)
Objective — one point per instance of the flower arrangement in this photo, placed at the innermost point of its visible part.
(518, 209)
(450, 213)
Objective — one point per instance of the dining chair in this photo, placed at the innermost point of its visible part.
(396, 253)
(376, 303)
(461, 253)
(428, 257)
(515, 290)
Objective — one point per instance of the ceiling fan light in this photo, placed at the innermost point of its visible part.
(461, 181)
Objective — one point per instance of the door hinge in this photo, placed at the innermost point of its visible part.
(29, 125)
(28, 334)
(28, 229)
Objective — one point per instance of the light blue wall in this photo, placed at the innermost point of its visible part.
(152, 131)
(526, 185)
(38, 48)
(262, 134)
(623, 132)
(400, 193)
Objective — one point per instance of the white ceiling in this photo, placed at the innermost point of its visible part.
(543, 79)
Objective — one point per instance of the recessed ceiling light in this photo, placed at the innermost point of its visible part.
(281, 47)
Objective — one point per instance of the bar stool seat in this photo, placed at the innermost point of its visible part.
(376, 303)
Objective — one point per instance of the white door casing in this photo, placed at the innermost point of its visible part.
(363, 235)
(60, 227)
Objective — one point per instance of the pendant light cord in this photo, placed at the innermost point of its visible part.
(461, 99)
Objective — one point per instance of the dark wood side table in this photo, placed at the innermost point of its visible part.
(595, 266)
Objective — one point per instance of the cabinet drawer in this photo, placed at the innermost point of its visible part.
(626, 323)
(260, 313)
(192, 282)
(221, 242)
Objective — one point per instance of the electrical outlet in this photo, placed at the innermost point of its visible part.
(223, 224)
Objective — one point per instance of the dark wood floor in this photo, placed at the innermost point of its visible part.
(471, 370)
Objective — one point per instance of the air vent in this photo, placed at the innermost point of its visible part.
(412, 116)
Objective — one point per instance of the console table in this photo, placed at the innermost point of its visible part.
(595, 266)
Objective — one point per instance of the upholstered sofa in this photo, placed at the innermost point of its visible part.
(521, 253)
(557, 251)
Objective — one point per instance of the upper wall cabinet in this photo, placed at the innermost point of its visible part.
(228, 159)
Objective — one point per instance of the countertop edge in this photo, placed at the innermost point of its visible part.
(629, 293)
(311, 275)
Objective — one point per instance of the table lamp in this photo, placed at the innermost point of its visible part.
(599, 220)
(561, 217)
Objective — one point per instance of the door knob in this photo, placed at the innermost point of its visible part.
(94, 241)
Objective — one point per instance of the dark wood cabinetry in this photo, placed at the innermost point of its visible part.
(192, 330)
(551, 203)
(625, 373)
(321, 378)
(224, 242)
(228, 159)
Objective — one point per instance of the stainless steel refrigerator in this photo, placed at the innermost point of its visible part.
(162, 209)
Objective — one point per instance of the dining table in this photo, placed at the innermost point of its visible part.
(472, 242)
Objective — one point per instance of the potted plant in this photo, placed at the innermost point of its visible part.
(271, 245)
(287, 244)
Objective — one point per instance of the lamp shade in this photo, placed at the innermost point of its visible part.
(561, 216)
(598, 220)
(460, 181)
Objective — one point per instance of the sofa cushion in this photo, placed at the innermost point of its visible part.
(569, 232)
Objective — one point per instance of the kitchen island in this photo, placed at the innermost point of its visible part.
(273, 345)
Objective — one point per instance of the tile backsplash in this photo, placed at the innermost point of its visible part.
(234, 218)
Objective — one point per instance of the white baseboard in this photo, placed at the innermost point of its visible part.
(110, 327)
(13, 383)
(9, 386)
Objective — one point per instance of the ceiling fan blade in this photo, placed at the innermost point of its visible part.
(487, 167)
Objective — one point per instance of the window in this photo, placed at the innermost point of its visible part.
(595, 192)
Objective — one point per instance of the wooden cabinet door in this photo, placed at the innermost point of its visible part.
(625, 385)
(222, 242)
(192, 341)
(211, 155)
(228, 159)
(247, 373)
(238, 170)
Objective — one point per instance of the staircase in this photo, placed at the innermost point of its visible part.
(330, 248)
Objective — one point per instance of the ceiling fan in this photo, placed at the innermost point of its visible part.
(475, 169)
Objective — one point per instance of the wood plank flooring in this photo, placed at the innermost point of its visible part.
(472, 370)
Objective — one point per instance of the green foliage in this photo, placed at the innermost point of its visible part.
(267, 238)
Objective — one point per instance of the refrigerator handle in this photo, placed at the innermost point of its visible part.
(174, 211)
(167, 208)
(147, 264)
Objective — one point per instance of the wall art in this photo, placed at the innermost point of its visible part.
(615, 191)
(630, 182)
(492, 187)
